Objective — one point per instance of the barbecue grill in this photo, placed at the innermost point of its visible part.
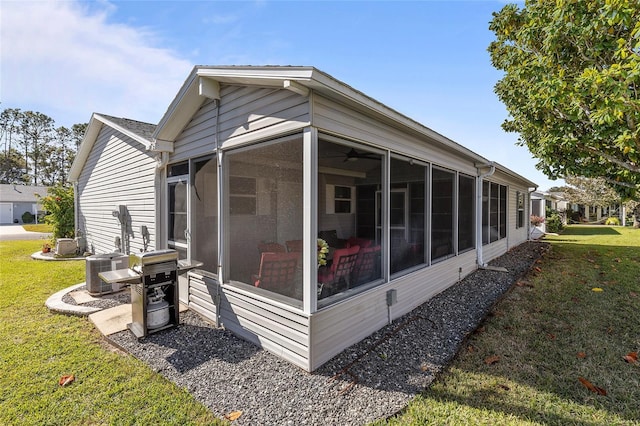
(154, 291)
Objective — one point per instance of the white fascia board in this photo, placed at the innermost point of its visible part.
(89, 139)
(188, 94)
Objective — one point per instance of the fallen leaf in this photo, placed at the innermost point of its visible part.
(65, 380)
(581, 355)
(597, 289)
(633, 294)
(593, 388)
(631, 357)
(551, 336)
(492, 359)
(471, 348)
(234, 415)
(537, 269)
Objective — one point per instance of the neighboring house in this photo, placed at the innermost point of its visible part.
(248, 160)
(540, 202)
(16, 200)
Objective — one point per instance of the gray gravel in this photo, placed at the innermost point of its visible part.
(373, 379)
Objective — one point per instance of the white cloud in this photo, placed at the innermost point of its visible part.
(66, 60)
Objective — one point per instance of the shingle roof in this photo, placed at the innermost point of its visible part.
(140, 128)
(21, 193)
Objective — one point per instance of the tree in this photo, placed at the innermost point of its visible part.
(571, 86)
(590, 192)
(47, 151)
(12, 167)
(37, 131)
(9, 125)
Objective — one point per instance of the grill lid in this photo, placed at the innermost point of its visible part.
(157, 256)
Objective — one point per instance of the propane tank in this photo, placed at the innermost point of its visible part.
(157, 309)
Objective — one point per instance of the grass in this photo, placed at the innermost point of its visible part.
(40, 227)
(551, 329)
(38, 347)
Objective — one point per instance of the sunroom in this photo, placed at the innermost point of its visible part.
(313, 214)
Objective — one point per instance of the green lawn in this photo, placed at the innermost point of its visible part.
(40, 227)
(38, 347)
(549, 331)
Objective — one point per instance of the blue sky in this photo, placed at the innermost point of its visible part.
(426, 59)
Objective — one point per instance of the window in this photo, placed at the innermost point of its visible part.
(265, 207)
(407, 214)
(351, 212)
(242, 197)
(204, 216)
(502, 211)
(442, 213)
(494, 212)
(342, 199)
(466, 213)
(520, 209)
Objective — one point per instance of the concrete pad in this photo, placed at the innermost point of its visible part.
(112, 320)
(82, 296)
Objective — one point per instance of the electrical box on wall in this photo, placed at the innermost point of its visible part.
(392, 297)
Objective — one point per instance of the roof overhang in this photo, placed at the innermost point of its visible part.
(301, 80)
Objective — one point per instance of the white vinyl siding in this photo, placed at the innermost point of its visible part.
(246, 114)
(339, 326)
(273, 326)
(118, 171)
(336, 118)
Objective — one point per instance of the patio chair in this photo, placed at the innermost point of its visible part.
(277, 272)
(362, 242)
(367, 265)
(271, 248)
(341, 268)
(294, 245)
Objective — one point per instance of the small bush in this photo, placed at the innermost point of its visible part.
(612, 221)
(554, 223)
(59, 205)
(27, 217)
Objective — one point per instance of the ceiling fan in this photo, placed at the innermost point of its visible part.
(353, 155)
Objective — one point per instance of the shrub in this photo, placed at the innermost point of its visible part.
(554, 223)
(27, 217)
(60, 211)
(612, 221)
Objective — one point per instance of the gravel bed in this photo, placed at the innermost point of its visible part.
(373, 379)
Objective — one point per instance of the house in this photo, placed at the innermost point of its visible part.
(16, 200)
(249, 165)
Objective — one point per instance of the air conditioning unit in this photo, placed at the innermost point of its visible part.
(100, 263)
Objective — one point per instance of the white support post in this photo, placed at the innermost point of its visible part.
(310, 220)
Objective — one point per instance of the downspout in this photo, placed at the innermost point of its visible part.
(161, 165)
(479, 181)
(220, 212)
(531, 191)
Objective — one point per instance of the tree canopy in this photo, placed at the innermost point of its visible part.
(35, 151)
(571, 86)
